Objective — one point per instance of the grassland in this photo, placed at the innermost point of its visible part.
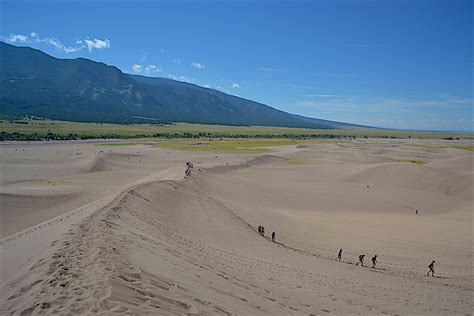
(40, 130)
(248, 146)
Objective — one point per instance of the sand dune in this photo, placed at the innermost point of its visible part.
(107, 161)
(165, 244)
(265, 159)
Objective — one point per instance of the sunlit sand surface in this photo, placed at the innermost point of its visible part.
(90, 229)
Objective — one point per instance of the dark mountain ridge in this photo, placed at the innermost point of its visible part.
(37, 84)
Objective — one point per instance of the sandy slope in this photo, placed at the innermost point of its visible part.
(149, 241)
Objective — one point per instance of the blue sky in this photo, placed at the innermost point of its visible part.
(397, 64)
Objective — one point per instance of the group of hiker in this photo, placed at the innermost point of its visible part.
(361, 260)
(374, 262)
(261, 231)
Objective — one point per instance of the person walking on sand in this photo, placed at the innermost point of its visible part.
(361, 260)
(273, 236)
(260, 229)
(339, 255)
(263, 231)
(431, 267)
(374, 261)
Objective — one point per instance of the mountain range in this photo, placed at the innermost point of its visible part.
(33, 83)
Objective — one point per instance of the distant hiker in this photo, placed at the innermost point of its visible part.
(374, 261)
(260, 229)
(431, 267)
(263, 231)
(189, 166)
(416, 212)
(361, 260)
(273, 236)
(339, 255)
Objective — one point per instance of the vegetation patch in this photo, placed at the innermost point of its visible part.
(34, 129)
(470, 148)
(246, 146)
(430, 146)
(418, 162)
(126, 144)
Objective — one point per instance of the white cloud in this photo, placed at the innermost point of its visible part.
(198, 65)
(97, 44)
(181, 78)
(137, 68)
(16, 38)
(56, 43)
(148, 69)
(186, 79)
(153, 68)
(207, 86)
(178, 60)
(235, 85)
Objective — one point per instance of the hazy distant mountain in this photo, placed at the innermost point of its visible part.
(34, 83)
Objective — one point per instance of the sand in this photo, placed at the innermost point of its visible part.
(95, 229)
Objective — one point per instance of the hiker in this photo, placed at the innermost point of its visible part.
(361, 260)
(260, 229)
(431, 266)
(263, 231)
(188, 169)
(416, 211)
(339, 255)
(374, 261)
(273, 236)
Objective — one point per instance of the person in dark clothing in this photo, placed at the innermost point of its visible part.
(263, 231)
(273, 236)
(431, 267)
(339, 255)
(374, 261)
(260, 229)
(361, 260)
